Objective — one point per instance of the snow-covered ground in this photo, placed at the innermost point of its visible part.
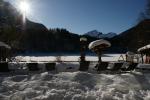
(75, 86)
(106, 57)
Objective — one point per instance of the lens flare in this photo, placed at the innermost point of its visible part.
(24, 7)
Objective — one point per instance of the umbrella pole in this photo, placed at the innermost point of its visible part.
(99, 57)
(99, 60)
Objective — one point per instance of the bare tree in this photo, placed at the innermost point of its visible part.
(141, 17)
(147, 10)
(146, 13)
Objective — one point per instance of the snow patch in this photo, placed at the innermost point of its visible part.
(75, 86)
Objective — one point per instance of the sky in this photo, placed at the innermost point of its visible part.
(81, 16)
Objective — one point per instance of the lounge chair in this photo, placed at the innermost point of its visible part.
(33, 66)
(102, 66)
(131, 67)
(50, 66)
(84, 66)
(117, 66)
(4, 67)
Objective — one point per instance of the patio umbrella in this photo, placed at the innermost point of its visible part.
(99, 45)
(2, 44)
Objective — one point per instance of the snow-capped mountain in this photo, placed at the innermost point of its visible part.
(93, 33)
(108, 35)
(97, 34)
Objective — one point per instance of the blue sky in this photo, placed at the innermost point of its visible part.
(81, 16)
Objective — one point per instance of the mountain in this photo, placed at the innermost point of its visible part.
(94, 33)
(18, 34)
(133, 38)
(35, 37)
(32, 36)
(108, 35)
(129, 40)
(97, 34)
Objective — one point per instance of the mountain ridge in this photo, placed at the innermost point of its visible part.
(97, 34)
(135, 37)
(35, 37)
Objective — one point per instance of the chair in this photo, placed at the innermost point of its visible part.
(117, 66)
(50, 66)
(131, 67)
(33, 66)
(84, 66)
(102, 66)
(4, 67)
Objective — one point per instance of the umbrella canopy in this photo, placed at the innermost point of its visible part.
(143, 49)
(101, 44)
(2, 44)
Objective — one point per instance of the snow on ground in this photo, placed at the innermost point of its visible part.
(75, 86)
(106, 57)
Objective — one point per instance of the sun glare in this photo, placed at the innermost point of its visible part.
(24, 7)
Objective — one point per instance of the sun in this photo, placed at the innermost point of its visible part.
(24, 7)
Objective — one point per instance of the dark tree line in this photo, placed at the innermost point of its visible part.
(33, 37)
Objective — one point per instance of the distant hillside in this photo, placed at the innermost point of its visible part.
(34, 37)
(16, 33)
(97, 34)
(133, 38)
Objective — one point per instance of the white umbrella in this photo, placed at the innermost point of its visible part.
(2, 44)
(100, 44)
(144, 48)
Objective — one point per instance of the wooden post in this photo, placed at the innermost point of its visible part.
(148, 57)
(83, 45)
(142, 58)
(83, 63)
(82, 55)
